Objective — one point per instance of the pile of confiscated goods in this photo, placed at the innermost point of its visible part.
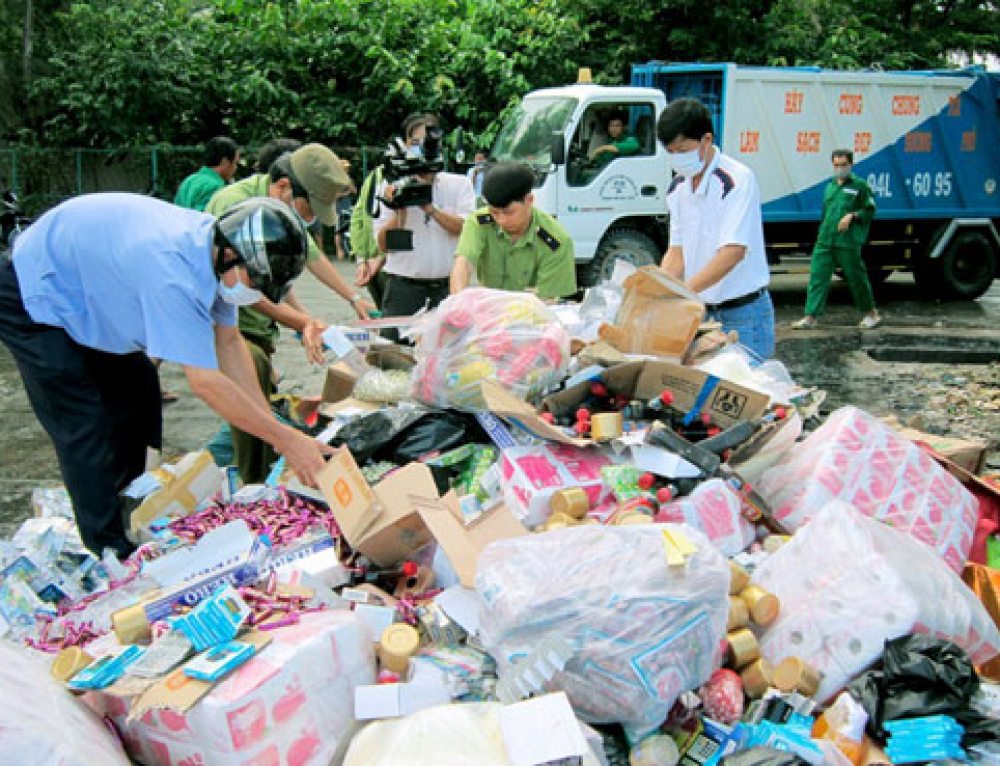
(545, 537)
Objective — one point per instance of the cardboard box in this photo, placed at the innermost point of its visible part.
(193, 478)
(659, 315)
(338, 387)
(728, 403)
(967, 454)
(462, 543)
(381, 522)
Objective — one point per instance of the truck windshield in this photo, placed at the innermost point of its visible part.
(527, 134)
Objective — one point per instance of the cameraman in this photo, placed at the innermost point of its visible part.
(420, 240)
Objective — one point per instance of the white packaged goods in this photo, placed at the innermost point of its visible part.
(641, 630)
(855, 458)
(847, 584)
(40, 723)
(291, 705)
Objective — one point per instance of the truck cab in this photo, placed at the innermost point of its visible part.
(926, 142)
(613, 204)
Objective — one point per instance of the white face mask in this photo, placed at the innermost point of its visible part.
(239, 294)
(841, 173)
(685, 163)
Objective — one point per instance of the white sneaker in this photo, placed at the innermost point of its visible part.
(870, 322)
(806, 323)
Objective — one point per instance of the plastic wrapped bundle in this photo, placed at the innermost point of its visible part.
(40, 723)
(716, 509)
(482, 334)
(847, 584)
(857, 459)
(641, 631)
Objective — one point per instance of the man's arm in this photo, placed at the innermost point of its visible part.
(232, 391)
(324, 271)
(461, 274)
(724, 261)
(450, 222)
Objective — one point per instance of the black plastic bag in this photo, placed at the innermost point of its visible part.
(373, 434)
(922, 676)
(763, 756)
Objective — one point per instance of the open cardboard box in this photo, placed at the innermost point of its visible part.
(727, 403)
(462, 543)
(380, 522)
(403, 512)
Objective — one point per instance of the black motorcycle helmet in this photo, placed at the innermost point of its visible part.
(269, 239)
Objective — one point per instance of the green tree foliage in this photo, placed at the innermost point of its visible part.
(128, 72)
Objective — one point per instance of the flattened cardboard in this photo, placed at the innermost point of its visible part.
(179, 692)
(967, 454)
(379, 522)
(463, 543)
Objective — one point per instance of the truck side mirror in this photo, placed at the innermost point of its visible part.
(558, 148)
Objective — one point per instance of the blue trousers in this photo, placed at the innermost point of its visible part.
(754, 322)
(101, 411)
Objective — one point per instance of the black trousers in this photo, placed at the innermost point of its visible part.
(101, 411)
(405, 296)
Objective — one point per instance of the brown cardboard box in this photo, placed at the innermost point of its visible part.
(463, 543)
(967, 454)
(728, 403)
(381, 522)
(659, 315)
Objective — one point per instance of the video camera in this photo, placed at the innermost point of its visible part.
(401, 165)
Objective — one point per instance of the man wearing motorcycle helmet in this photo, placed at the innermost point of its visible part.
(102, 280)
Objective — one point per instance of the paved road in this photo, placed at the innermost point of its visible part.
(27, 459)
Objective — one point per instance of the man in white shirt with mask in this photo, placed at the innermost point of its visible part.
(102, 280)
(716, 233)
(420, 240)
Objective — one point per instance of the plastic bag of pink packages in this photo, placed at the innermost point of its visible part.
(848, 583)
(715, 509)
(481, 334)
(855, 458)
(638, 632)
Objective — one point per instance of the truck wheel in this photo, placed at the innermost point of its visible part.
(966, 268)
(629, 245)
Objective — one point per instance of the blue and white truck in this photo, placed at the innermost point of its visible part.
(927, 142)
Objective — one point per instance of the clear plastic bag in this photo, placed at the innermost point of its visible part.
(641, 632)
(715, 509)
(40, 723)
(848, 583)
(855, 458)
(481, 334)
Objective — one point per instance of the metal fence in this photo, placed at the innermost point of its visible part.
(43, 177)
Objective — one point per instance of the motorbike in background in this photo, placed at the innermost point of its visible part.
(12, 220)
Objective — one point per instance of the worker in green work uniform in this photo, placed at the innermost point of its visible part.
(222, 159)
(511, 244)
(620, 142)
(848, 209)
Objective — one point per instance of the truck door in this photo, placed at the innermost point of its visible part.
(610, 171)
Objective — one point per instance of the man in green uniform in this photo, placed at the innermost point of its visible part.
(511, 244)
(222, 158)
(848, 209)
(620, 143)
(308, 180)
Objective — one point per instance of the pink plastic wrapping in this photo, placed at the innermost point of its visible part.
(481, 334)
(715, 509)
(531, 475)
(857, 459)
(641, 631)
(289, 706)
(847, 584)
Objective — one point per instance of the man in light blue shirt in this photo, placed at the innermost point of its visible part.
(101, 281)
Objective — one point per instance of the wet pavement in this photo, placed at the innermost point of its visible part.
(947, 394)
